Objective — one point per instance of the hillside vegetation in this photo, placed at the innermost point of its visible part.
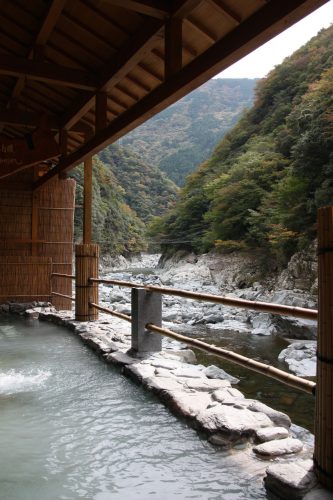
(265, 180)
(126, 194)
(178, 139)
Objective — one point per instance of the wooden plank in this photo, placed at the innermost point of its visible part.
(47, 72)
(154, 8)
(264, 24)
(230, 13)
(173, 47)
(87, 201)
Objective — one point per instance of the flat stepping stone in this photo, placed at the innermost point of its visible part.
(205, 384)
(292, 480)
(232, 420)
(228, 393)
(121, 358)
(272, 433)
(190, 371)
(280, 419)
(279, 447)
(189, 404)
(216, 372)
(139, 371)
(160, 384)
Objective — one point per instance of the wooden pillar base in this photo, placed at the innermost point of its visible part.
(86, 266)
(323, 454)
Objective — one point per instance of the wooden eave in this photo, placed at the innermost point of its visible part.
(92, 70)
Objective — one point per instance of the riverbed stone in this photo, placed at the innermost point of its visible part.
(184, 355)
(272, 433)
(279, 447)
(292, 480)
(232, 421)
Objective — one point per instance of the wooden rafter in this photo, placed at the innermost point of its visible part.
(31, 119)
(154, 8)
(227, 11)
(173, 47)
(46, 72)
(126, 59)
(272, 18)
(44, 33)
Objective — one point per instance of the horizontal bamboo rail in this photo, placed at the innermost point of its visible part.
(296, 312)
(64, 296)
(110, 311)
(60, 275)
(270, 371)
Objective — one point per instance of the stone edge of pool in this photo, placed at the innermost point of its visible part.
(206, 401)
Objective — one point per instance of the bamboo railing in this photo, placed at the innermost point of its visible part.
(296, 312)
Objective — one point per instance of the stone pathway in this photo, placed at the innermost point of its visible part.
(205, 398)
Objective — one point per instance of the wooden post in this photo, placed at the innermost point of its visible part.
(87, 201)
(323, 454)
(86, 266)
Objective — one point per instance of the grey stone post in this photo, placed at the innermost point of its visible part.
(146, 308)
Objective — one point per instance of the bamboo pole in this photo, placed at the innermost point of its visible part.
(323, 453)
(86, 266)
(268, 370)
(61, 275)
(63, 295)
(112, 312)
(297, 312)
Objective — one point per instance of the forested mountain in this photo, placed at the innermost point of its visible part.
(178, 139)
(116, 227)
(270, 173)
(126, 194)
(146, 189)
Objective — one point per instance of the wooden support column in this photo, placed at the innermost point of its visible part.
(86, 266)
(87, 201)
(323, 454)
(173, 47)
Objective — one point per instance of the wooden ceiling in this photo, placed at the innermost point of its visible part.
(92, 70)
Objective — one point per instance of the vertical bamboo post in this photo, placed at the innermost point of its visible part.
(323, 454)
(86, 266)
(87, 201)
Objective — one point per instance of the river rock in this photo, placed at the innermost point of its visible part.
(189, 404)
(222, 394)
(184, 355)
(232, 421)
(279, 447)
(168, 364)
(292, 480)
(121, 358)
(301, 358)
(189, 371)
(280, 419)
(139, 371)
(213, 371)
(162, 384)
(205, 384)
(272, 433)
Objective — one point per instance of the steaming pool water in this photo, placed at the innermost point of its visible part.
(72, 427)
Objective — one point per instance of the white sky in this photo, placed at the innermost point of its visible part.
(261, 61)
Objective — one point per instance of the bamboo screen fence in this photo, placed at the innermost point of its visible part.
(37, 229)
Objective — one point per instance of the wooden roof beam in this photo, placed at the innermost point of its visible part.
(183, 8)
(154, 8)
(33, 119)
(227, 11)
(46, 72)
(122, 63)
(50, 20)
(264, 24)
(173, 47)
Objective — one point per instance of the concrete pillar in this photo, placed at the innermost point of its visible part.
(146, 308)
